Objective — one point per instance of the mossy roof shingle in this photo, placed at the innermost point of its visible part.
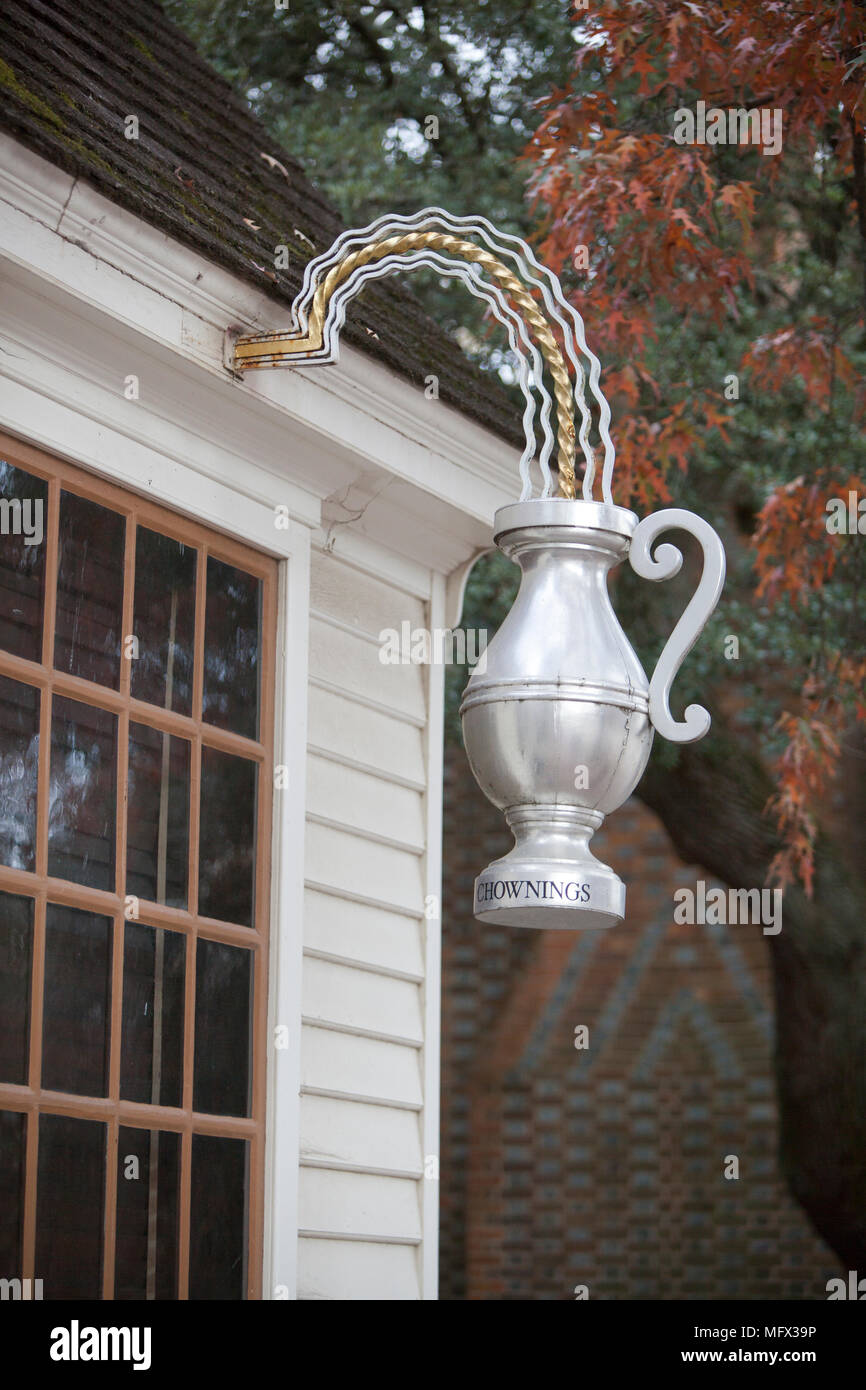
(71, 71)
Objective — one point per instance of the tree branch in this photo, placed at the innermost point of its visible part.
(443, 54)
(367, 34)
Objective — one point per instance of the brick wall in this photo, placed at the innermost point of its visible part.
(605, 1167)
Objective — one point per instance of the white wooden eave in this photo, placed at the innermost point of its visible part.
(91, 294)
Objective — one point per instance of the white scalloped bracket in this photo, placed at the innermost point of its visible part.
(667, 562)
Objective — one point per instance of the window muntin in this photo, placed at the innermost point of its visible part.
(133, 892)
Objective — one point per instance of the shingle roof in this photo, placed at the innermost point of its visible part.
(71, 71)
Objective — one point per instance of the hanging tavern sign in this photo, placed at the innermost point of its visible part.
(559, 724)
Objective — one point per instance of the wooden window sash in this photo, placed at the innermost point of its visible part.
(112, 1110)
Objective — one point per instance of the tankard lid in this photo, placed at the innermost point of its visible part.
(563, 511)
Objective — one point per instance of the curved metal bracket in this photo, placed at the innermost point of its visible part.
(521, 344)
(394, 243)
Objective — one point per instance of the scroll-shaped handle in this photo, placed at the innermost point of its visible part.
(664, 565)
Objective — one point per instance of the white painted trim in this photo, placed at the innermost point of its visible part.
(412, 784)
(359, 1236)
(62, 428)
(372, 638)
(81, 245)
(429, 1268)
(367, 557)
(62, 382)
(359, 1098)
(335, 1165)
(352, 962)
(283, 1125)
(455, 587)
(364, 899)
(365, 833)
(356, 698)
(354, 1030)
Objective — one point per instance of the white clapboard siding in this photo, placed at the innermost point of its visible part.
(359, 736)
(347, 661)
(356, 932)
(362, 801)
(360, 1000)
(350, 1134)
(361, 1182)
(361, 868)
(345, 1065)
(346, 1270)
(359, 1204)
(360, 599)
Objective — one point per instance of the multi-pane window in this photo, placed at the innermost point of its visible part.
(136, 653)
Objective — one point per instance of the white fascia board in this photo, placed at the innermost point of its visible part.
(112, 289)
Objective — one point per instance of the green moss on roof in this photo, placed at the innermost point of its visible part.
(78, 147)
(142, 48)
(87, 59)
(13, 84)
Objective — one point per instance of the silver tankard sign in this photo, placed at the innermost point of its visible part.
(558, 728)
(559, 724)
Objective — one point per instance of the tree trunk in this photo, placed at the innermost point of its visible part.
(819, 975)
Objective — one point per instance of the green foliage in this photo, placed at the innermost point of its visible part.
(348, 88)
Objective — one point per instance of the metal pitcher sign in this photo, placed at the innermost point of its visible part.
(558, 728)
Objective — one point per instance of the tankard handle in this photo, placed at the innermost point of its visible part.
(664, 565)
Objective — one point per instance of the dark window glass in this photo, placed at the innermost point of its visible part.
(218, 1218)
(232, 649)
(151, 1059)
(223, 1016)
(81, 805)
(77, 1002)
(16, 951)
(19, 759)
(228, 837)
(163, 621)
(23, 528)
(148, 1168)
(89, 590)
(13, 1136)
(157, 843)
(69, 1207)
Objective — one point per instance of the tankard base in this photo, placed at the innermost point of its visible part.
(581, 896)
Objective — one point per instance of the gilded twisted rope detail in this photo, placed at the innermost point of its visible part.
(467, 250)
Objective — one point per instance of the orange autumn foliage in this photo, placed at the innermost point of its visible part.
(671, 238)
